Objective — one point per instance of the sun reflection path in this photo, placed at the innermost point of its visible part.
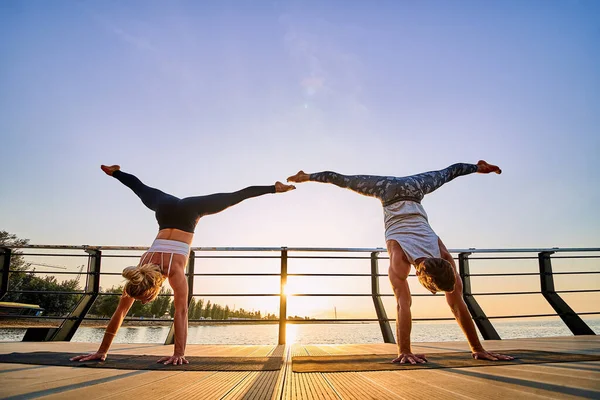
(291, 333)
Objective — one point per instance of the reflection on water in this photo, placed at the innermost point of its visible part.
(311, 333)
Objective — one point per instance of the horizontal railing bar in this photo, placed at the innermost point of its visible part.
(309, 249)
(329, 258)
(578, 291)
(237, 257)
(45, 292)
(503, 258)
(537, 273)
(52, 272)
(507, 274)
(576, 273)
(308, 294)
(82, 255)
(334, 275)
(277, 274)
(502, 293)
(29, 317)
(536, 315)
(238, 274)
(567, 257)
(120, 293)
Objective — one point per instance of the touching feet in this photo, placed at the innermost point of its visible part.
(485, 168)
(282, 187)
(109, 169)
(301, 176)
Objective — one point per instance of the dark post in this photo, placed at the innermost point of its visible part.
(5, 254)
(283, 296)
(483, 323)
(566, 313)
(384, 324)
(190, 278)
(69, 326)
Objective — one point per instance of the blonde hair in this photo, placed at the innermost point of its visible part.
(143, 281)
(437, 275)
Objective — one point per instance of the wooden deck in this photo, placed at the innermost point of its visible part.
(540, 381)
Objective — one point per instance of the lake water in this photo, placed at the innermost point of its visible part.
(313, 333)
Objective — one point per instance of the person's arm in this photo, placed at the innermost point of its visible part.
(178, 282)
(404, 323)
(459, 308)
(113, 326)
(463, 317)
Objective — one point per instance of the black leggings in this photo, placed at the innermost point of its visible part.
(183, 214)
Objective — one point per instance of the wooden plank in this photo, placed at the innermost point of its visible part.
(160, 386)
(22, 382)
(351, 385)
(256, 386)
(450, 384)
(214, 386)
(128, 385)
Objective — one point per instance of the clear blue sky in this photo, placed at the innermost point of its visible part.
(198, 97)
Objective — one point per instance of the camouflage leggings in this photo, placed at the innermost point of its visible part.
(390, 189)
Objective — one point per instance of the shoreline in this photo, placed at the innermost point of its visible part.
(32, 323)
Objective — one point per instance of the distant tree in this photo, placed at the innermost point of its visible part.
(226, 312)
(172, 309)
(17, 262)
(105, 305)
(25, 280)
(160, 305)
(140, 310)
(198, 310)
(53, 304)
(206, 312)
(192, 308)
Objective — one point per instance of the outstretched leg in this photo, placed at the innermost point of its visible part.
(151, 197)
(368, 185)
(214, 203)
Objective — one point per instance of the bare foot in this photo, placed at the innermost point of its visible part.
(485, 168)
(282, 187)
(110, 169)
(301, 176)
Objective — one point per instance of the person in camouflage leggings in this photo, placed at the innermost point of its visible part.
(390, 189)
(406, 223)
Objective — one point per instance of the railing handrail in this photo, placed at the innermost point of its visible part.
(310, 249)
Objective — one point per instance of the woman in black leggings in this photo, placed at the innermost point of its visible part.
(168, 255)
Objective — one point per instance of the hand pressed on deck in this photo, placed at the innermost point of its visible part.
(174, 359)
(488, 355)
(89, 357)
(410, 358)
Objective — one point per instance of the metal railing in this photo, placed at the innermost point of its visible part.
(94, 273)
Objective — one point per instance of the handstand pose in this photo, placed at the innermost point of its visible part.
(168, 255)
(410, 240)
